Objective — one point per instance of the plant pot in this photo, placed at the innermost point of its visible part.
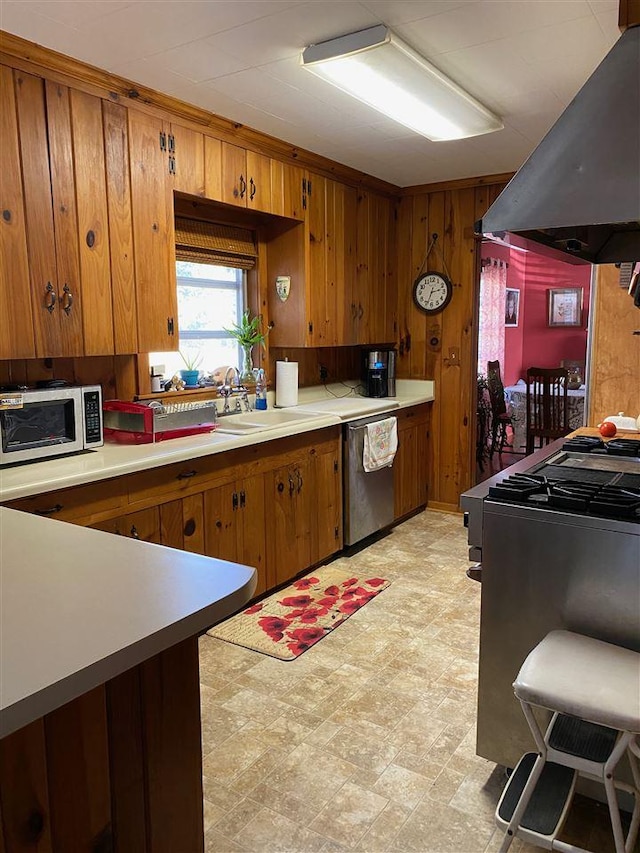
(190, 377)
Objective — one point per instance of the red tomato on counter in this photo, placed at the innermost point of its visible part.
(607, 429)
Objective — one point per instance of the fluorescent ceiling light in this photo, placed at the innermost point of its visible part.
(379, 69)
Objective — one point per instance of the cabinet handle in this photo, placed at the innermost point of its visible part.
(185, 475)
(170, 326)
(172, 164)
(163, 141)
(134, 532)
(50, 297)
(243, 499)
(243, 186)
(172, 143)
(360, 311)
(300, 480)
(292, 485)
(67, 299)
(354, 311)
(252, 189)
(234, 501)
(50, 510)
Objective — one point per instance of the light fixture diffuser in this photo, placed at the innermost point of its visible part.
(381, 70)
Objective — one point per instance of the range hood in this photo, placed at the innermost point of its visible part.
(577, 197)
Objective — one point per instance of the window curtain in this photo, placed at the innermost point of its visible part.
(210, 243)
(493, 294)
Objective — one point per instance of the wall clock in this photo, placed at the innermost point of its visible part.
(432, 292)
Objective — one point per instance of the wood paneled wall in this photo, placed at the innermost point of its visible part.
(443, 347)
(614, 370)
(117, 374)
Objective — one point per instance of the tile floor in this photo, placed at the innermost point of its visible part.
(366, 742)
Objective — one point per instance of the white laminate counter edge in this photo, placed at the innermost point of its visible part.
(115, 460)
(79, 607)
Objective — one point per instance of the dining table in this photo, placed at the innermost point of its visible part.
(516, 399)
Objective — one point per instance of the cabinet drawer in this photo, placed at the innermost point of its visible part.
(77, 502)
(182, 478)
(412, 416)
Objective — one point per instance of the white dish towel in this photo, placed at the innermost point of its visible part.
(380, 444)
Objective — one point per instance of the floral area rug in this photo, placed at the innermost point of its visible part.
(289, 622)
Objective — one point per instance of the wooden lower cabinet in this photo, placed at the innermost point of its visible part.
(410, 464)
(289, 507)
(143, 525)
(234, 525)
(119, 768)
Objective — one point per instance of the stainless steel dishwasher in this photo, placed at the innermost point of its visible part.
(368, 495)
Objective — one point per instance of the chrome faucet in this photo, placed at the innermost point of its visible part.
(232, 371)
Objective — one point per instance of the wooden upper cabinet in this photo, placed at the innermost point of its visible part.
(46, 149)
(259, 195)
(123, 288)
(185, 152)
(319, 256)
(288, 190)
(153, 235)
(93, 230)
(370, 309)
(17, 339)
(234, 175)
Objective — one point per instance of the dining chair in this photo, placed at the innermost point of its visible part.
(500, 417)
(547, 405)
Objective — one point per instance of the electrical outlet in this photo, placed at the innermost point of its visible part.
(324, 373)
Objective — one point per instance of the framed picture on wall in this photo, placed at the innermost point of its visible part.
(565, 306)
(512, 307)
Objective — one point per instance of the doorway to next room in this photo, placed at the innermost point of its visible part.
(533, 312)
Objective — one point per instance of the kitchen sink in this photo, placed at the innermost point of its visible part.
(251, 422)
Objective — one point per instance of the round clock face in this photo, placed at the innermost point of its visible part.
(432, 292)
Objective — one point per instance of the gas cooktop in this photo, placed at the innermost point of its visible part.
(615, 447)
(601, 493)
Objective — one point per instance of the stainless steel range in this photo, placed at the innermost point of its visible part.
(558, 537)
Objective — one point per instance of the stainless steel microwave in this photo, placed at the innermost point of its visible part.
(39, 424)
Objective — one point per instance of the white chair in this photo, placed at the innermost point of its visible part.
(592, 689)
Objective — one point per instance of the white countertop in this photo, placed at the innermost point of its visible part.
(332, 404)
(80, 606)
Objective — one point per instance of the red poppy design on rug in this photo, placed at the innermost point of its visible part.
(289, 622)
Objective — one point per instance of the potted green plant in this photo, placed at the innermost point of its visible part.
(191, 374)
(248, 332)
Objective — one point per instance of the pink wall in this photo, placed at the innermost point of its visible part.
(532, 343)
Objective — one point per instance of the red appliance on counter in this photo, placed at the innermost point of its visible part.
(145, 423)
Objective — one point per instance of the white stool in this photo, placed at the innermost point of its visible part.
(593, 690)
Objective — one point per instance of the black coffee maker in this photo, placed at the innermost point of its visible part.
(379, 373)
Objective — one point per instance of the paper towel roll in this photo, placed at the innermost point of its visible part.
(286, 383)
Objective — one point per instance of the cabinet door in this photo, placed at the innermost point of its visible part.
(213, 168)
(153, 238)
(381, 306)
(327, 490)
(288, 190)
(288, 515)
(182, 524)
(251, 515)
(186, 159)
(17, 339)
(144, 525)
(234, 175)
(363, 255)
(259, 180)
(405, 471)
(47, 174)
(317, 313)
(222, 531)
(123, 284)
(93, 232)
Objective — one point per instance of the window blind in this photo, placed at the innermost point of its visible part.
(210, 243)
